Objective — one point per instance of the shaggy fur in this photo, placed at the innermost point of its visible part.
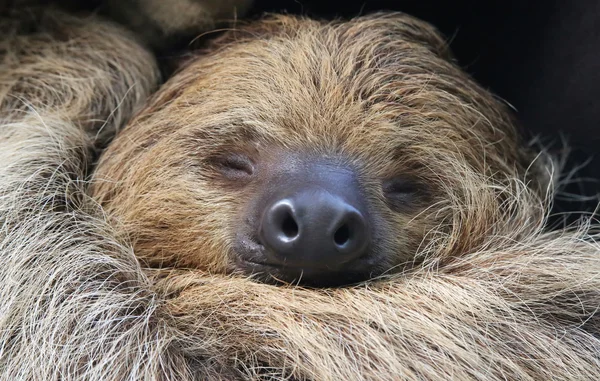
(377, 93)
(76, 304)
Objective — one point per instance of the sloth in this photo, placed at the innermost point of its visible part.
(368, 120)
(317, 153)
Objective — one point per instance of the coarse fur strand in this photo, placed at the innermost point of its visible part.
(76, 304)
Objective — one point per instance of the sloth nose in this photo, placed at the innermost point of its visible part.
(314, 229)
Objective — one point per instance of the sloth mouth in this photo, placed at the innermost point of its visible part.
(295, 275)
(251, 260)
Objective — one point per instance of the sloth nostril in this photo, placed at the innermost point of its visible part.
(289, 227)
(342, 235)
(315, 227)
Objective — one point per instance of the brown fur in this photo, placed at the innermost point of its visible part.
(495, 298)
(379, 92)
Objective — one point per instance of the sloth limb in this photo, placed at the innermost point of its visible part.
(75, 303)
(162, 23)
(524, 311)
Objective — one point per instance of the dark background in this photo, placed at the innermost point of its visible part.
(543, 57)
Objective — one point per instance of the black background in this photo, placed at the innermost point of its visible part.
(543, 57)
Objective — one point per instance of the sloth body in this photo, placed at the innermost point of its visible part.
(488, 294)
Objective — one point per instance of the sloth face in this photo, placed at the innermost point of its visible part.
(319, 153)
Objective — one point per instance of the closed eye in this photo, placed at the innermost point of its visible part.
(233, 166)
(402, 193)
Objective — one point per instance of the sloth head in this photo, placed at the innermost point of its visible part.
(320, 153)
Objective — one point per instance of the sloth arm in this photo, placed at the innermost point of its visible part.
(526, 311)
(74, 303)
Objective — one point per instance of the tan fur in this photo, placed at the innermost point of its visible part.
(377, 91)
(56, 63)
(495, 298)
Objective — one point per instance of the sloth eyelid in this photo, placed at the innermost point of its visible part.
(234, 166)
(402, 193)
(399, 186)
